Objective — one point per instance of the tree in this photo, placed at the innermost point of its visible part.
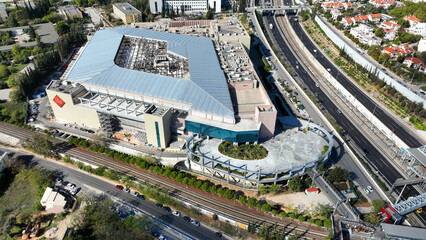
(377, 205)
(338, 174)
(379, 32)
(214, 216)
(209, 14)
(296, 184)
(61, 28)
(40, 145)
(251, 202)
(4, 71)
(274, 188)
(263, 189)
(266, 207)
(242, 199)
(32, 32)
(372, 218)
(323, 210)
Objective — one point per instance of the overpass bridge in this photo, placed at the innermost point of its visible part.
(396, 211)
(276, 8)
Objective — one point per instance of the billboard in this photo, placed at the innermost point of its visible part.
(58, 101)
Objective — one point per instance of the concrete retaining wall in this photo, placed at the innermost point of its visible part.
(358, 58)
(360, 107)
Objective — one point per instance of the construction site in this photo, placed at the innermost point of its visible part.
(151, 56)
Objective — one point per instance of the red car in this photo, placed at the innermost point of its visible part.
(119, 187)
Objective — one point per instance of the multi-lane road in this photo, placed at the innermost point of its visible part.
(399, 128)
(208, 202)
(389, 173)
(96, 186)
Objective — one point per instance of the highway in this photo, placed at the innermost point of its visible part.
(209, 202)
(93, 185)
(393, 124)
(389, 173)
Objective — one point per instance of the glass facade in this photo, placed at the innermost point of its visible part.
(158, 135)
(228, 135)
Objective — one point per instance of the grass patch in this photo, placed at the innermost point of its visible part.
(243, 151)
(12, 106)
(341, 186)
(19, 197)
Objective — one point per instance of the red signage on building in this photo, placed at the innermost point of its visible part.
(58, 101)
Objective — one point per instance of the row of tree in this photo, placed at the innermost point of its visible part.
(193, 181)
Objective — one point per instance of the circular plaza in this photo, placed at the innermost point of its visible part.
(288, 154)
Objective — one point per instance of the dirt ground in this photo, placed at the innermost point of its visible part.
(299, 201)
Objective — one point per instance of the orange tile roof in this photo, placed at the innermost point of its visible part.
(414, 60)
(363, 17)
(411, 18)
(376, 15)
(348, 19)
(391, 50)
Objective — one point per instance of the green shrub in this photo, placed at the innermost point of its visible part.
(301, 218)
(251, 202)
(327, 223)
(258, 206)
(266, 207)
(319, 223)
(214, 216)
(292, 215)
(283, 214)
(274, 211)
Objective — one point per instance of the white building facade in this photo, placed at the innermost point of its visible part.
(189, 6)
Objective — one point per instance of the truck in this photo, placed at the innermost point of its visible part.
(271, 26)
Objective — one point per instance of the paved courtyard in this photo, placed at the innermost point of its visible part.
(286, 150)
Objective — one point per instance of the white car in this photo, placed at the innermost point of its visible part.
(370, 188)
(176, 213)
(71, 185)
(75, 191)
(366, 191)
(162, 237)
(127, 190)
(134, 193)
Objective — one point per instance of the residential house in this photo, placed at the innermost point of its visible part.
(327, 6)
(335, 13)
(394, 51)
(365, 35)
(376, 17)
(422, 69)
(422, 45)
(412, 20)
(392, 25)
(390, 28)
(53, 201)
(361, 19)
(413, 62)
(382, 3)
(389, 34)
(417, 29)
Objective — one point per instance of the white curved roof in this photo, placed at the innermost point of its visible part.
(207, 91)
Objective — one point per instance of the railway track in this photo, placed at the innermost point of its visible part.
(182, 193)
